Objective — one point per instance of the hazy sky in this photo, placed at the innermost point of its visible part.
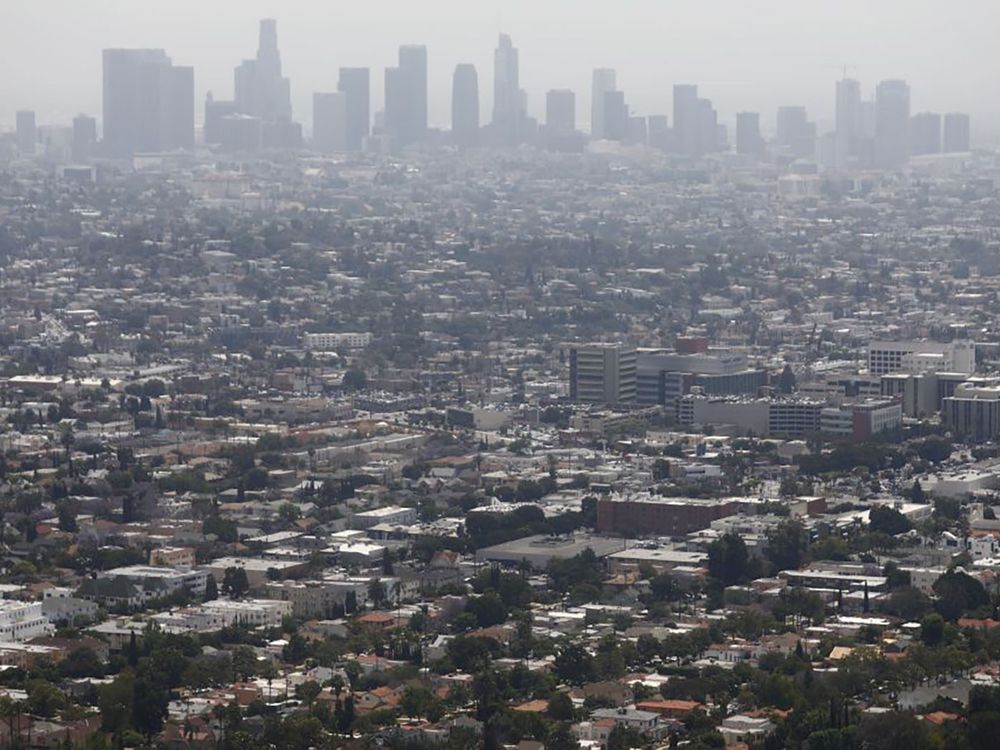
(744, 54)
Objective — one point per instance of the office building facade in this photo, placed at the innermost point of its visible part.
(465, 105)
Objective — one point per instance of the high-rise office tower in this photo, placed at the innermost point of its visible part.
(956, 133)
(261, 90)
(708, 127)
(925, 133)
(603, 81)
(615, 116)
(84, 138)
(892, 124)
(748, 140)
(465, 105)
(27, 132)
(658, 131)
(848, 119)
(215, 110)
(508, 99)
(354, 84)
(148, 102)
(180, 110)
(560, 111)
(329, 122)
(406, 96)
(687, 120)
(795, 132)
(602, 373)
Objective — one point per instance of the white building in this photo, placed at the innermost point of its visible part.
(394, 514)
(921, 356)
(21, 621)
(215, 615)
(325, 342)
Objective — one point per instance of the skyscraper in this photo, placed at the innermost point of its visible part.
(148, 102)
(925, 133)
(261, 90)
(465, 105)
(84, 138)
(180, 108)
(406, 95)
(892, 123)
(748, 140)
(329, 122)
(848, 120)
(27, 133)
(354, 85)
(603, 81)
(508, 111)
(795, 132)
(560, 111)
(615, 116)
(956, 133)
(215, 110)
(687, 120)
(708, 128)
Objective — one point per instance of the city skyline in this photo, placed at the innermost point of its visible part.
(735, 81)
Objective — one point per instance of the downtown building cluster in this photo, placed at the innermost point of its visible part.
(149, 107)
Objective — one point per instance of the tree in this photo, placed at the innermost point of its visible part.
(376, 592)
(917, 493)
(624, 738)
(211, 589)
(786, 381)
(561, 738)
(886, 520)
(416, 701)
(561, 707)
(235, 583)
(958, 592)
(727, 559)
(149, 704)
(82, 662)
(574, 665)
(354, 380)
(289, 512)
(787, 546)
(935, 449)
(488, 609)
(44, 699)
(387, 568)
(932, 629)
(115, 702)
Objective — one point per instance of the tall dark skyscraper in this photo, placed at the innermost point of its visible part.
(329, 122)
(84, 138)
(892, 124)
(603, 81)
(406, 96)
(956, 133)
(748, 140)
(148, 102)
(261, 90)
(27, 132)
(465, 105)
(508, 99)
(687, 120)
(925, 133)
(560, 111)
(354, 84)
